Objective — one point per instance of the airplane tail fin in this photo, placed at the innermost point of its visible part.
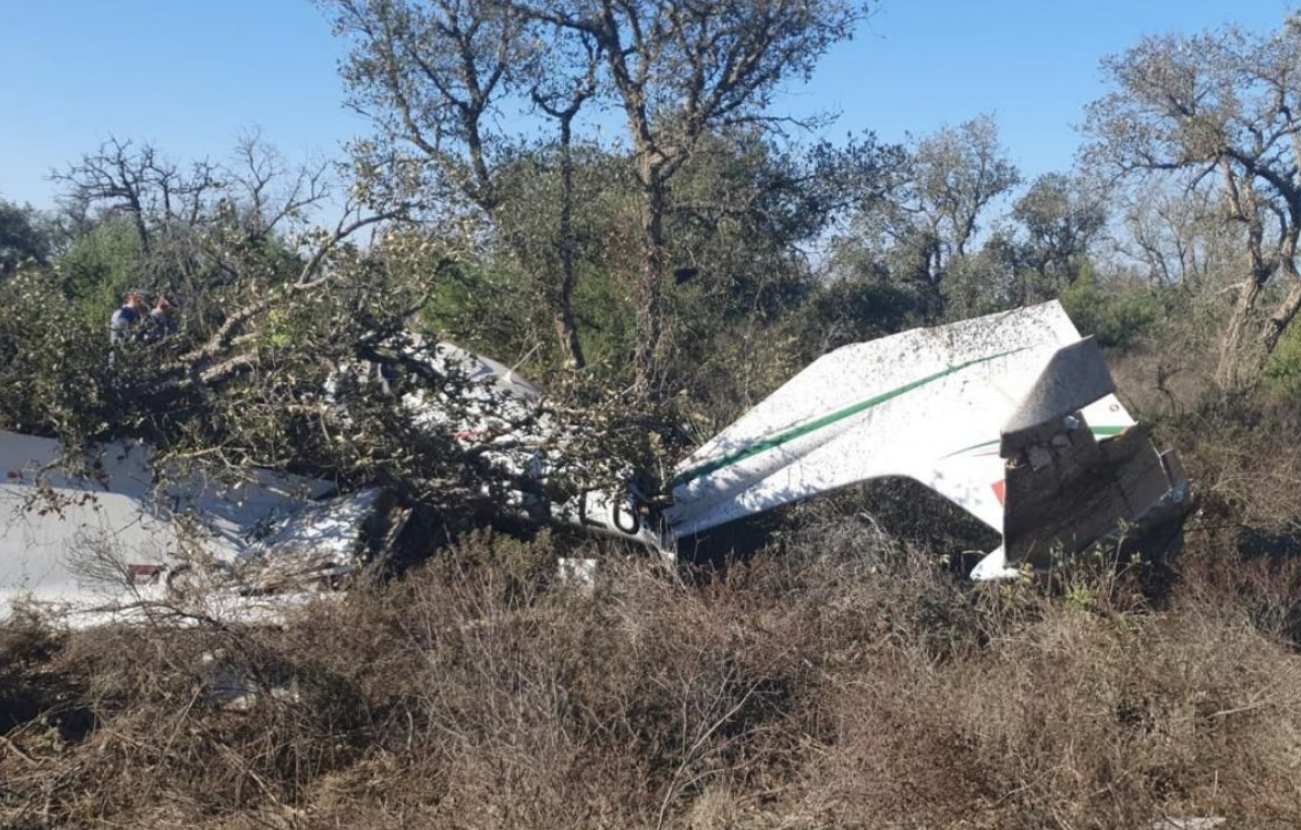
(1066, 486)
(969, 410)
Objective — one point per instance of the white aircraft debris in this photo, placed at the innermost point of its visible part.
(1012, 416)
(99, 538)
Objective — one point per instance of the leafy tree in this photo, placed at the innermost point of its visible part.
(957, 173)
(991, 278)
(24, 237)
(940, 190)
(101, 265)
(567, 78)
(681, 71)
(440, 76)
(1038, 251)
(435, 77)
(1119, 315)
(1222, 109)
(1061, 219)
(747, 214)
(856, 309)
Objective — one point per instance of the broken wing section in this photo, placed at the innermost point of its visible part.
(958, 408)
(87, 539)
(928, 404)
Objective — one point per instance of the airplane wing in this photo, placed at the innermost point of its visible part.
(929, 404)
(108, 537)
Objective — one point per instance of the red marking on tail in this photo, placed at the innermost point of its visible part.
(144, 574)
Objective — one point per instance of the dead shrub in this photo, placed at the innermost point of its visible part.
(824, 682)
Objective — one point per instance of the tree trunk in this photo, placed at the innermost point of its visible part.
(563, 304)
(1287, 310)
(567, 335)
(142, 230)
(1282, 316)
(1226, 374)
(650, 286)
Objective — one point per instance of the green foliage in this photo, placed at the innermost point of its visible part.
(448, 79)
(1060, 219)
(54, 363)
(101, 266)
(503, 300)
(854, 310)
(486, 307)
(1283, 370)
(24, 237)
(740, 209)
(987, 281)
(1119, 316)
(493, 308)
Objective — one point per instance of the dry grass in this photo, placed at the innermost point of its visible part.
(825, 687)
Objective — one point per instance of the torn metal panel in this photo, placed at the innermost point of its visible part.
(1070, 490)
(490, 401)
(1075, 376)
(99, 533)
(227, 688)
(323, 542)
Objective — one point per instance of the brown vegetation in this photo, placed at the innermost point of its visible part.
(838, 684)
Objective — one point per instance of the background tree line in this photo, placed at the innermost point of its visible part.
(605, 194)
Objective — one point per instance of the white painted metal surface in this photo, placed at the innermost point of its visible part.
(937, 405)
(927, 404)
(109, 536)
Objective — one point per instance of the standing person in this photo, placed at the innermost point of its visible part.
(127, 316)
(162, 320)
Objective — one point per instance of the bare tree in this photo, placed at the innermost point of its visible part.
(272, 192)
(431, 74)
(1175, 233)
(1222, 107)
(241, 236)
(198, 226)
(155, 192)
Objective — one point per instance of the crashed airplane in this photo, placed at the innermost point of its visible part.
(1012, 417)
(99, 537)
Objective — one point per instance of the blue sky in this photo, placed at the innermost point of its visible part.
(192, 75)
